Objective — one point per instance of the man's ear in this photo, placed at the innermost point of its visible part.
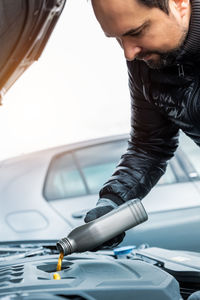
(181, 6)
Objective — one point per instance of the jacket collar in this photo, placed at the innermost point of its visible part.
(192, 42)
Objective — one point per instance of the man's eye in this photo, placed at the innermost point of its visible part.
(139, 33)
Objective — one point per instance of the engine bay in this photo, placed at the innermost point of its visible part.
(27, 272)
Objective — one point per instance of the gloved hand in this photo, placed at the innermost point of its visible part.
(103, 207)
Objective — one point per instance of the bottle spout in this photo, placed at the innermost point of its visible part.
(64, 246)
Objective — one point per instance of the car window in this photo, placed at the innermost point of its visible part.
(192, 153)
(98, 163)
(168, 177)
(85, 171)
(63, 179)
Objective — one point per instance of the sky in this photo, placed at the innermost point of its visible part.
(78, 90)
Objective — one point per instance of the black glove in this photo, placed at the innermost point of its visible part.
(103, 207)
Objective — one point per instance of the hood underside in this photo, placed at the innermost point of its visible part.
(25, 27)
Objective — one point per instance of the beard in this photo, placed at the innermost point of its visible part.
(165, 58)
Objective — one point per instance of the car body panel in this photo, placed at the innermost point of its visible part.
(176, 229)
(21, 186)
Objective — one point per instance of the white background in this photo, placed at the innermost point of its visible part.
(77, 90)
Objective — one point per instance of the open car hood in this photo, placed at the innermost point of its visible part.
(25, 27)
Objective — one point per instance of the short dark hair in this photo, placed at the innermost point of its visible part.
(162, 4)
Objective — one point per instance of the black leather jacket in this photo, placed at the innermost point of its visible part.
(162, 102)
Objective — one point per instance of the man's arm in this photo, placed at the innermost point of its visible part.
(153, 140)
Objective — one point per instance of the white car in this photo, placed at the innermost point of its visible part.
(47, 193)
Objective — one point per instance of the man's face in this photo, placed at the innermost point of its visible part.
(145, 33)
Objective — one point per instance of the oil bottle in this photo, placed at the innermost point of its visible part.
(95, 233)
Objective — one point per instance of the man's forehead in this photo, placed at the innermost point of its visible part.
(116, 10)
(120, 17)
(115, 6)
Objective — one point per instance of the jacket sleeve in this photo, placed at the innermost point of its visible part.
(153, 141)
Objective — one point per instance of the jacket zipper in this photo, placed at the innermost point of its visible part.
(180, 70)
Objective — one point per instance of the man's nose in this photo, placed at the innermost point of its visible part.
(131, 50)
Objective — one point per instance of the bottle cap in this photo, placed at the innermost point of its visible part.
(123, 250)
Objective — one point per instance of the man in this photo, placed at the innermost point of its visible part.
(161, 42)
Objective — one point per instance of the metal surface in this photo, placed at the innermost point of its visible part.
(95, 233)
